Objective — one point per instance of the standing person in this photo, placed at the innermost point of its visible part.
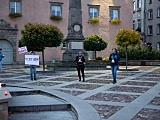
(114, 58)
(33, 69)
(1, 56)
(80, 65)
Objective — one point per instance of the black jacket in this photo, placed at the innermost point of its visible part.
(80, 64)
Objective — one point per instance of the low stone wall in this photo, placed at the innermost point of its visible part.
(141, 62)
(129, 62)
(72, 66)
(100, 64)
(4, 97)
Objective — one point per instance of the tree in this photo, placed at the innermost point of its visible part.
(38, 36)
(94, 43)
(126, 38)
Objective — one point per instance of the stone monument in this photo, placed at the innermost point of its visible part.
(75, 38)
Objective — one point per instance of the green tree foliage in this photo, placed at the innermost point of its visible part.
(38, 36)
(139, 53)
(126, 38)
(94, 43)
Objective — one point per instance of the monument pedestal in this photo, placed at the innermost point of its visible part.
(73, 48)
(70, 55)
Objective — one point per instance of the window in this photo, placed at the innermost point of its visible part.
(15, 6)
(114, 12)
(150, 14)
(158, 28)
(134, 27)
(93, 12)
(134, 16)
(134, 5)
(64, 44)
(158, 46)
(139, 23)
(150, 1)
(56, 9)
(139, 4)
(158, 12)
(150, 30)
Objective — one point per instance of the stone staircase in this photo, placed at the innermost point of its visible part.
(35, 101)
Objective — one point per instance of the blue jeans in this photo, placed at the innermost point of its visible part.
(114, 71)
(33, 72)
(1, 65)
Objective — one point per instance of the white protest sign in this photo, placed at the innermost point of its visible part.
(31, 59)
(22, 50)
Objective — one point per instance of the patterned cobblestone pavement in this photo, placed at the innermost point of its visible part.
(108, 99)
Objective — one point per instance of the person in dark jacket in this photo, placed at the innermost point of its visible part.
(80, 60)
(114, 58)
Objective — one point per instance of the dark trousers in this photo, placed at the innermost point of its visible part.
(80, 71)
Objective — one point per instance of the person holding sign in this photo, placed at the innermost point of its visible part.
(33, 69)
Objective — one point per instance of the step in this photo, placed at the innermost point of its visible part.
(35, 100)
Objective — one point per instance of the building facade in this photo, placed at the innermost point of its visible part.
(152, 21)
(138, 15)
(15, 14)
(146, 18)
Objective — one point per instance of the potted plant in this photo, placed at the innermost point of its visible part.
(115, 21)
(15, 15)
(93, 20)
(56, 18)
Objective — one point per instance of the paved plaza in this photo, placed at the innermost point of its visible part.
(60, 96)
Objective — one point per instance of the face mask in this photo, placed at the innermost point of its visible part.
(114, 51)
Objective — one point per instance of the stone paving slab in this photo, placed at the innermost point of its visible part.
(129, 89)
(135, 94)
(31, 100)
(16, 89)
(112, 97)
(43, 84)
(45, 115)
(83, 86)
(106, 111)
(147, 114)
(140, 83)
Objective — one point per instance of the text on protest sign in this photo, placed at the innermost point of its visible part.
(31, 59)
(22, 50)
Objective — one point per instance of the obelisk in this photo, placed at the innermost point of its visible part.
(75, 38)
